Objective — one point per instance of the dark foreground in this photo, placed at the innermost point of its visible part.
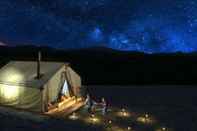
(173, 106)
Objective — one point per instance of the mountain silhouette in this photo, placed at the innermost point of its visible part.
(99, 65)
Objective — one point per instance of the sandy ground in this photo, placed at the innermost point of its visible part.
(114, 120)
(11, 120)
(174, 107)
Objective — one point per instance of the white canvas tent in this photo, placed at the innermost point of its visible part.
(20, 88)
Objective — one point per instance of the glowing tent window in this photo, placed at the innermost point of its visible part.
(9, 93)
(65, 90)
(13, 75)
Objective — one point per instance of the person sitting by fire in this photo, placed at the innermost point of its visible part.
(90, 104)
(104, 106)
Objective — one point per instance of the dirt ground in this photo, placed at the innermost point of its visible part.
(170, 107)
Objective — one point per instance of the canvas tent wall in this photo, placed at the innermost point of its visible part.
(20, 89)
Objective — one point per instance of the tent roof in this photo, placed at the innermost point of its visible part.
(24, 72)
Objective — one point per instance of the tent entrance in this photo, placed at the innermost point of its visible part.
(65, 89)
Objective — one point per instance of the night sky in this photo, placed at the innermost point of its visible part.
(150, 26)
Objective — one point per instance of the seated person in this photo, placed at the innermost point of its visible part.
(90, 104)
(87, 100)
(104, 106)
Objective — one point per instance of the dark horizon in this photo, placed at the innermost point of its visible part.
(105, 66)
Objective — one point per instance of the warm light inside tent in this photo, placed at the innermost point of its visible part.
(10, 92)
(13, 76)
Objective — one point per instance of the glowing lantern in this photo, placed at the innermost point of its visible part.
(92, 115)
(146, 116)
(93, 119)
(123, 113)
(129, 128)
(146, 119)
(162, 129)
(73, 116)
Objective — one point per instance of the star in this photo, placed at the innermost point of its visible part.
(152, 27)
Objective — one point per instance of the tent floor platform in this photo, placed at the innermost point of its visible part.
(66, 107)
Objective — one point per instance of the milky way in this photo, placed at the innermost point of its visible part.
(150, 26)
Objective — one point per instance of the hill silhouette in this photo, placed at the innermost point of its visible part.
(99, 65)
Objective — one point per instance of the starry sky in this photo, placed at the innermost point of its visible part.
(150, 26)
